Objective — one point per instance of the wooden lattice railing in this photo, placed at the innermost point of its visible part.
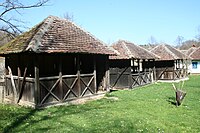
(51, 89)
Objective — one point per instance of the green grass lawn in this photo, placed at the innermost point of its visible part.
(146, 109)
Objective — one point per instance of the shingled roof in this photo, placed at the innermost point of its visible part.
(195, 55)
(128, 50)
(56, 35)
(167, 52)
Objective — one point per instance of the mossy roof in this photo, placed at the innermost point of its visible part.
(56, 35)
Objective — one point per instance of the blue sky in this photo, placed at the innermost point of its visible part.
(132, 20)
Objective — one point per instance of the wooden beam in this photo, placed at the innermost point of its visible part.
(78, 74)
(19, 72)
(60, 78)
(6, 66)
(21, 89)
(107, 75)
(95, 74)
(19, 75)
(154, 70)
(37, 82)
(138, 61)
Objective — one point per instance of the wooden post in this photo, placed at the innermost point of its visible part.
(143, 68)
(130, 74)
(173, 72)
(138, 61)
(107, 75)
(186, 63)
(154, 71)
(37, 83)
(21, 89)
(95, 74)
(60, 78)
(78, 75)
(139, 71)
(19, 75)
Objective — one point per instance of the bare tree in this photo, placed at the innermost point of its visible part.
(8, 24)
(188, 44)
(152, 40)
(198, 34)
(69, 16)
(179, 41)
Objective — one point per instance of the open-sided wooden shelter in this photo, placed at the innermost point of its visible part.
(172, 63)
(132, 66)
(54, 62)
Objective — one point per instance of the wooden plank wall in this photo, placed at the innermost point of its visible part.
(57, 78)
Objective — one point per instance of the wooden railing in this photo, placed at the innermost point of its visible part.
(67, 87)
(143, 78)
(171, 74)
(51, 89)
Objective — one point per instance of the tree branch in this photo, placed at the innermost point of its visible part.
(21, 6)
(9, 26)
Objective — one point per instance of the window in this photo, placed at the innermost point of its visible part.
(194, 65)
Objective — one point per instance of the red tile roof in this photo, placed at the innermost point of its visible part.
(128, 50)
(167, 52)
(56, 35)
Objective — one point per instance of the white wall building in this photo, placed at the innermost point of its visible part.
(194, 66)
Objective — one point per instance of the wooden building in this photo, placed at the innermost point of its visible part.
(132, 66)
(172, 64)
(54, 62)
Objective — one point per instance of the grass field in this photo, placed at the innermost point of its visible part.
(146, 109)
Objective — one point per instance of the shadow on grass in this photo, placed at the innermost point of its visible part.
(48, 114)
(171, 100)
(18, 121)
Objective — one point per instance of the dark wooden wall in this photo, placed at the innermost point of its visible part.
(120, 73)
(124, 74)
(61, 77)
(170, 70)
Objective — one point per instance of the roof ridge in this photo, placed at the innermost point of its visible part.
(182, 54)
(167, 49)
(127, 49)
(34, 43)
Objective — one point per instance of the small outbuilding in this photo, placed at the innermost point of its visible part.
(172, 64)
(55, 62)
(132, 65)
